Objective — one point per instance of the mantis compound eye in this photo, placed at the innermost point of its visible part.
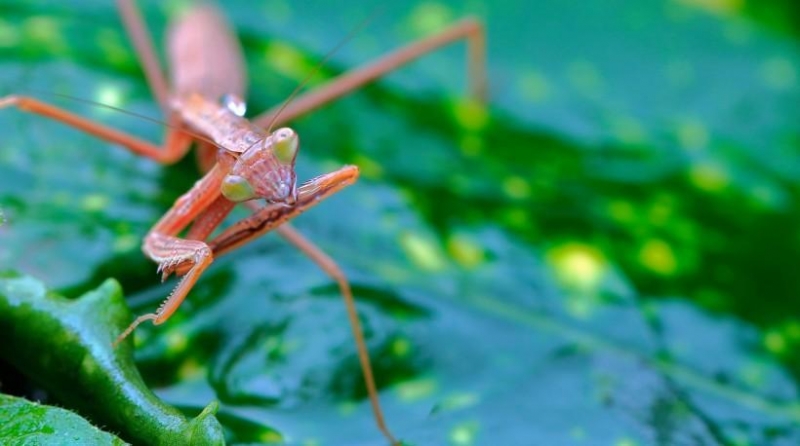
(237, 189)
(285, 143)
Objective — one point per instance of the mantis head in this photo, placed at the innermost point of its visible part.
(265, 170)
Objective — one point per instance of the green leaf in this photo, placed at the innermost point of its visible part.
(66, 346)
(606, 253)
(27, 423)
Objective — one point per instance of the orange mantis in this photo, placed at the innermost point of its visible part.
(244, 162)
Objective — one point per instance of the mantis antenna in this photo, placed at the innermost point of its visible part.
(321, 64)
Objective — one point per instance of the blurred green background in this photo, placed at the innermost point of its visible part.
(606, 254)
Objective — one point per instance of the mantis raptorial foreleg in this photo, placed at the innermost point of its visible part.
(190, 256)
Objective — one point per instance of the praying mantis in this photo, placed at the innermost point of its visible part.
(245, 161)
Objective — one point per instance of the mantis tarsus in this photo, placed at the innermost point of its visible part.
(243, 162)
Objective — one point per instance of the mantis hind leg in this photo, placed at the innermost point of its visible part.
(175, 146)
(145, 51)
(327, 264)
(330, 267)
(469, 30)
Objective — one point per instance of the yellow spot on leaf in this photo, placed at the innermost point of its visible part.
(465, 251)
(109, 95)
(177, 8)
(657, 256)
(401, 347)
(45, 32)
(89, 366)
(190, 369)
(578, 265)
(272, 437)
(516, 187)
(429, 17)
(94, 202)
(425, 253)
(625, 442)
(125, 243)
(464, 434)
(708, 177)
(287, 61)
(416, 390)
(458, 401)
(792, 330)
(347, 408)
(621, 211)
(112, 46)
(368, 167)
(177, 341)
(470, 114)
(775, 342)
(9, 35)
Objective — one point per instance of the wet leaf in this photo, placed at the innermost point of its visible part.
(28, 423)
(604, 253)
(66, 346)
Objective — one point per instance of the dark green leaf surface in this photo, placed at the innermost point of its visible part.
(607, 254)
(66, 346)
(26, 423)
